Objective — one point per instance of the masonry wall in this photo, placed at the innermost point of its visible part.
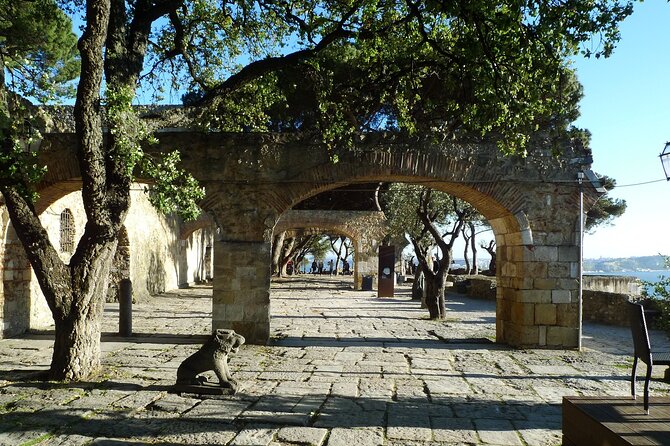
(606, 308)
(158, 259)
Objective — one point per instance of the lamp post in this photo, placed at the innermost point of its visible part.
(665, 160)
(580, 296)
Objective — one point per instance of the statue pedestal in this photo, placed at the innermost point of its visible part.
(202, 389)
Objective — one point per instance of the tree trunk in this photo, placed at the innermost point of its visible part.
(491, 249)
(473, 246)
(76, 351)
(432, 295)
(286, 253)
(417, 290)
(277, 248)
(466, 258)
(435, 286)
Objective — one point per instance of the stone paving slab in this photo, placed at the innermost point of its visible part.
(343, 368)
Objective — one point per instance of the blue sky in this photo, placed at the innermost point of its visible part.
(626, 107)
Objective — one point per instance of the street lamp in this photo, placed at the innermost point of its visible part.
(665, 160)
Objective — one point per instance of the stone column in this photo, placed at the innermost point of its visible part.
(367, 263)
(242, 265)
(537, 289)
(241, 296)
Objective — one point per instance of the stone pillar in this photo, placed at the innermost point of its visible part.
(367, 263)
(537, 290)
(241, 295)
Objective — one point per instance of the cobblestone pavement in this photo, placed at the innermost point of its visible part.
(344, 368)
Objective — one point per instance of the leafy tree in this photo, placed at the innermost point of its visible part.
(605, 208)
(657, 296)
(428, 217)
(337, 244)
(37, 58)
(319, 248)
(38, 49)
(460, 68)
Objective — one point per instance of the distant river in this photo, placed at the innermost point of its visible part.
(649, 276)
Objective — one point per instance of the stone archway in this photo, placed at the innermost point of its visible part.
(531, 204)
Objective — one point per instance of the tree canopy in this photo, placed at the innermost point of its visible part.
(606, 208)
(38, 49)
(476, 68)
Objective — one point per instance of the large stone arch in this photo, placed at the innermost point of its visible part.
(531, 203)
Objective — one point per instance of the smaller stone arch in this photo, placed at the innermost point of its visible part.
(365, 228)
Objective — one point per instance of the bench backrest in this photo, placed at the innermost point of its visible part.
(638, 326)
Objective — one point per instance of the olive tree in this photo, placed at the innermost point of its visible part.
(428, 218)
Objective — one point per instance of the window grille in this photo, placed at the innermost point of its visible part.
(67, 231)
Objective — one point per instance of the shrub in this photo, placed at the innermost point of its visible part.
(657, 297)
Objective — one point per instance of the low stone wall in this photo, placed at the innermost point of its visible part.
(477, 287)
(605, 297)
(612, 284)
(482, 288)
(605, 308)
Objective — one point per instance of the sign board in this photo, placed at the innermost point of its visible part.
(385, 287)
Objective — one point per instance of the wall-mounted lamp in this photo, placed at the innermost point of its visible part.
(665, 160)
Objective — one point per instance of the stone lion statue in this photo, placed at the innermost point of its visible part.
(213, 355)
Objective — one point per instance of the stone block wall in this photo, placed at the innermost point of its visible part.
(158, 259)
(15, 300)
(606, 308)
(537, 294)
(598, 305)
(482, 288)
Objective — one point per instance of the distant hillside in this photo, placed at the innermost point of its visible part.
(624, 264)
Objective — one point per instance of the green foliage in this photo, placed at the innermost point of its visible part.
(319, 248)
(38, 56)
(245, 109)
(400, 207)
(19, 166)
(173, 190)
(606, 208)
(403, 204)
(126, 126)
(659, 298)
(471, 70)
(38, 47)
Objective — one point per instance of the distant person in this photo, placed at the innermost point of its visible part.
(330, 267)
(345, 267)
(320, 266)
(315, 266)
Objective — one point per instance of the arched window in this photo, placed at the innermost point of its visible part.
(66, 231)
